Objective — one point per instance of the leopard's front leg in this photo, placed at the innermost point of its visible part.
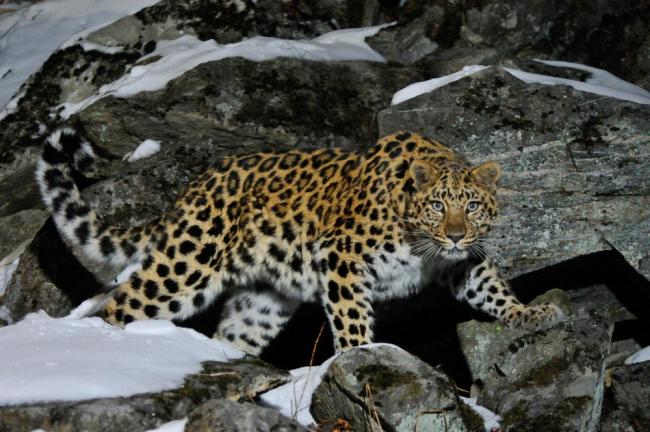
(346, 301)
(484, 290)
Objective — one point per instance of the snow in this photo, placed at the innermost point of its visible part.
(293, 399)
(145, 149)
(422, 87)
(48, 359)
(490, 419)
(7, 269)
(175, 57)
(641, 356)
(12, 105)
(32, 32)
(601, 82)
(172, 426)
(5, 315)
(90, 306)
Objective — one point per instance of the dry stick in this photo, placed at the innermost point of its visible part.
(311, 362)
(372, 404)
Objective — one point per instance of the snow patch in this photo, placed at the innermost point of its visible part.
(639, 357)
(145, 149)
(7, 269)
(490, 419)
(49, 359)
(12, 105)
(172, 426)
(90, 306)
(5, 315)
(91, 46)
(422, 87)
(293, 399)
(32, 32)
(601, 82)
(175, 57)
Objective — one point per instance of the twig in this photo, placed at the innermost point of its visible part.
(371, 407)
(311, 362)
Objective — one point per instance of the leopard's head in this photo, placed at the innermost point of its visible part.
(452, 207)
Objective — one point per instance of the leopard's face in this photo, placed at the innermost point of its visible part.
(452, 208)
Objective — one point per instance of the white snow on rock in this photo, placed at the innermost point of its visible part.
(5, 315)
(418, 88)
(12, 105)
(185, 53)
(491, 421)
(641, 356)
(31, 33)
(172, 426)
(601, 82)
(49, 359)
(293, 399)
(6, 271)
(145, 149)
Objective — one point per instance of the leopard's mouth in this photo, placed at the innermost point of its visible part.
(455, 253)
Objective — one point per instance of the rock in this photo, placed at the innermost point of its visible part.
(18, 228)
(627, 400)
(550, 380)
(221, 415)
(583, 32)
(284, 101)
(409, 43)
(236, 381)
(35, 282)
(570, 161)
(385, 388)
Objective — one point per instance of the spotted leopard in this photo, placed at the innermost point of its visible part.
(332, 226)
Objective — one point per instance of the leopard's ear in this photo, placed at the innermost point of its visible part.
(487, 174)
(423, 173)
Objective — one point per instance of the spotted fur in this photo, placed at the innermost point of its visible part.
(330, 226)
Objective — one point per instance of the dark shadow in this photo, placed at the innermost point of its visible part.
(607, 268)
(61, 267)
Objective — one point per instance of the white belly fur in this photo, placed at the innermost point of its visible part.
(398, 273)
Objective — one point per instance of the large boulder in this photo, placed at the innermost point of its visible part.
(549, 380)
(571, 163)
(222, 415)
(385, 388)
(237, 381)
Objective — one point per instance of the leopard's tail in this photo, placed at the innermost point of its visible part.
(104, 250)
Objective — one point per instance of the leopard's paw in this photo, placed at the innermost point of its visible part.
(540, 317)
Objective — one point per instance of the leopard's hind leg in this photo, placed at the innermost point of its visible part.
(252, 319)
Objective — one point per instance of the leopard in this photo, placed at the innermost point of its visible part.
(341, 228)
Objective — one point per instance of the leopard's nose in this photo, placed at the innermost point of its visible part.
(455, 237)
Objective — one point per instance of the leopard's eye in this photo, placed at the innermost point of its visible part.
(438, 206)
(472, 206)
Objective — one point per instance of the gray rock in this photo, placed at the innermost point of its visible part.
(30, 290)
(284, 101)
(626, 407)
(220, 415)
(236, 381)
(411, 42)
(551, 380)
(18, 228)
(385, 388)
(585, 33)
(573, 162)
